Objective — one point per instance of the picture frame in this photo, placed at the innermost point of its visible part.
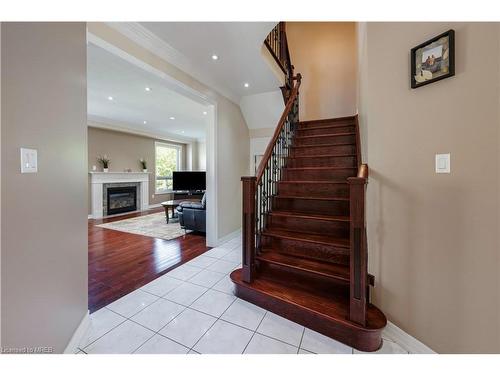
(433, 60)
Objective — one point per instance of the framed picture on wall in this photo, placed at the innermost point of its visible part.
(433, 60)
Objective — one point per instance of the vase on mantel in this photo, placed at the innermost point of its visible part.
(105, 170)
(145, 170)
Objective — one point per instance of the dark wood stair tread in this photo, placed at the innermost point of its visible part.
(325, 126)
(325, 145)
(281, 196)
(302, 215)
(319, 168)
(331, 270)
(329, 121)
(319, 306)
(312, 182)
(336, 271)
(322, 156)
(307, 237)
(325, 135)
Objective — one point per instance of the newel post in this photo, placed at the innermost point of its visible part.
(248, 228)
(358, 252)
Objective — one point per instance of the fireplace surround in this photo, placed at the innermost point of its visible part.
(100, 182)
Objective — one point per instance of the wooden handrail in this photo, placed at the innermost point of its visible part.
(277, 131)
(277, 44)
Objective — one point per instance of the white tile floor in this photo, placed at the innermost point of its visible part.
(192, 309)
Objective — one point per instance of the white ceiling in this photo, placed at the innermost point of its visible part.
(110, 75)
(237, 44)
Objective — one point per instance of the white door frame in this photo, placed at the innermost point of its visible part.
(211, 140)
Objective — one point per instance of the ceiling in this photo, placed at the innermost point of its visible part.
(110, 75)
(237, 45)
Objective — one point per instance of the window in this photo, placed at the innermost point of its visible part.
(167, 160)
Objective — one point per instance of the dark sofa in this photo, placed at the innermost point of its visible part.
(192, 215)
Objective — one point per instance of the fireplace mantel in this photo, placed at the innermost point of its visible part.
(98, 179)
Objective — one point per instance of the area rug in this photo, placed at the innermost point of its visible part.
(153, 225)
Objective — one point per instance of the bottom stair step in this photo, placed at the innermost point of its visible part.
(322, 308)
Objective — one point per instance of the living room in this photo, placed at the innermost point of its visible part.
(147, 173)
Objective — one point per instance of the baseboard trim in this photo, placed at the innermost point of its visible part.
(228, 237)
(72, 346)
(153, 206)
(408, 342)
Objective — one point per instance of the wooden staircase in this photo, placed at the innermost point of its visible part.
(304, 235)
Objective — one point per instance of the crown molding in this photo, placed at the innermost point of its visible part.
(103, 123)
(150, 41)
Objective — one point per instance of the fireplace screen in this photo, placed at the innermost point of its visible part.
(121, 199)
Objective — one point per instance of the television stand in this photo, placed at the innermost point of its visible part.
(188, 195)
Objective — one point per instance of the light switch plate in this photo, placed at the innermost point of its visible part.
(443, 163)
(29, 160)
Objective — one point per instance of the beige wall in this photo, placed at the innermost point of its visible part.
(433, 238)
(125, 150)
(325, 54)
(231, 130)
(44, 226)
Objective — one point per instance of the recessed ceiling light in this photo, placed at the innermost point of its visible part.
(147, 88)
(144, 122)
(182, 131)
(246, 84)
(204, 112)
(110, 98)
(172, 118)
(215, 57)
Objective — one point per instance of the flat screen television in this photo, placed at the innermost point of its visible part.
(190, 181)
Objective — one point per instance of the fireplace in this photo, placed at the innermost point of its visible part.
(121, 199)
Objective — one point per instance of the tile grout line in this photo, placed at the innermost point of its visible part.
(138, 312)
(301, 338)
(192, 348)
(254, 332)
(149, 329)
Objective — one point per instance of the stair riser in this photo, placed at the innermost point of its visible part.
(338, 161)
(318, 174)
(305, 249)
(323, 150)
(302, 141)
(337, 208)
(303, 131)
(338, 284)
(323, 190)
(332, 122)
(334, 228)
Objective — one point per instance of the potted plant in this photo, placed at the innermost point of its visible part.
(104, 161)
(144, 166)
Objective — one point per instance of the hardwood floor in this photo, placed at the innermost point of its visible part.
(121, 262)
